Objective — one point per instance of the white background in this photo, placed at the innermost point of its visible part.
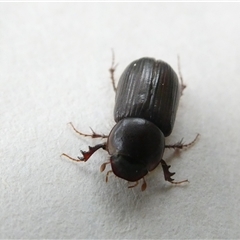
(54, 61)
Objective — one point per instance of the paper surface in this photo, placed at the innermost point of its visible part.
(54, 61)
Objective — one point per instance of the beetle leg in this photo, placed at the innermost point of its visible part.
(91, 151)
(93, 135)
(181, 145)
(112, 70)
(86, 154)
(183, 86)
(168, 175)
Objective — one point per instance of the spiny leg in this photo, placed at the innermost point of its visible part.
(112, 70)
(181, 145)
(183, 86)
(93, 135)
(168, 175)
(165, 167)
(86, 154)
(91, 151)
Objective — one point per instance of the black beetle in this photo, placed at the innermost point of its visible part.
(147, 99)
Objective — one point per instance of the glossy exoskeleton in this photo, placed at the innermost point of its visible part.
(147, 99)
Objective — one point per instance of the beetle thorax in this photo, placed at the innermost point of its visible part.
(136, 146)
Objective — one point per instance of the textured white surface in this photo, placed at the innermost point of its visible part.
(54, 61)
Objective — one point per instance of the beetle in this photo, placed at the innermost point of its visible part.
(146, 103)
